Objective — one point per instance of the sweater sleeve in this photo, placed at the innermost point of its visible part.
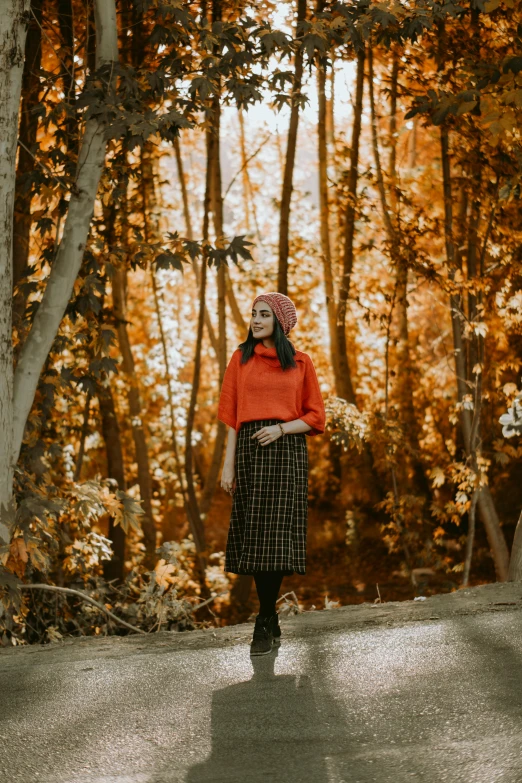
(312, 401)
(227, 408)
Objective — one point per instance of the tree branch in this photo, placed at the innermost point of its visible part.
(84, 597)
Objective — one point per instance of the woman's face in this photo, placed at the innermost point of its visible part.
(262, 321)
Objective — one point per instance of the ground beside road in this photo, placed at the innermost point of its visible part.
(426, 691)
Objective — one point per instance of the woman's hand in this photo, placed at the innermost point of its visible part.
(267, 435)
(228, 477)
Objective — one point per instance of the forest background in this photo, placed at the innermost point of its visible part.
(165, 162)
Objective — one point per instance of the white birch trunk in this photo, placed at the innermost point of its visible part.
(13, 18)
(67, 263)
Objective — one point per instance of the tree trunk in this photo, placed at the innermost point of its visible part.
(183, 186)
(345, 388)
(412, 145)
(485, 502)
(248, 191)
(335, 223)
(392, 167)
(288, 176)
(83, 438)
(476, 350)
(190, 235)
(497, 542)
(324, 217)
(472, 271)
(91, 42)
(216, 200)
(170, 399)
(216, 203)
(69, 256)
(139, 435)
(24, 189)
(66, 22)
(196, 522)
(242, 327)
(136, 413)
(244, 171)
(455, 300)
(515, 563)
(405, 383)
(12, 42)
(225, 283)
(243, 584)
(149, 207)
(114, 568)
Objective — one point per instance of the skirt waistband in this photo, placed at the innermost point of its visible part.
(260, 423)
(249, 427)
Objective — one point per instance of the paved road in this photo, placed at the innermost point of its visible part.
(432, 701)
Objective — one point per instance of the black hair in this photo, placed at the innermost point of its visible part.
(284, 348)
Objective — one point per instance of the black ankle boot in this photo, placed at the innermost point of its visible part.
(263, 639)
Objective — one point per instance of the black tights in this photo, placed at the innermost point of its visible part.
(268, 584)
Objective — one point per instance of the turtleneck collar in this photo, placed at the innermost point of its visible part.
(266, 353)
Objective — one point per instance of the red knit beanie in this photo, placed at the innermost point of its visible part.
(283, 307)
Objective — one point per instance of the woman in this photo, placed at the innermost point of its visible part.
(270, 399)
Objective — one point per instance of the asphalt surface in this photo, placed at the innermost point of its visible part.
(429, 701)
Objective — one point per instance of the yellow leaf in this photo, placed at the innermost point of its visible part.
(38, 558)
(18, 557)
(437, 477)
(164, 571)
(18, 549)
(112, 505)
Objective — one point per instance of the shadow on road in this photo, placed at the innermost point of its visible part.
(432, 702)
(497, 652)
(265, 728)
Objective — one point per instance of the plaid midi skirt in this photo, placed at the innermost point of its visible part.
(270, 505)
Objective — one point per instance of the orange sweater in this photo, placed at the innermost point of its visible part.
(260, 389)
